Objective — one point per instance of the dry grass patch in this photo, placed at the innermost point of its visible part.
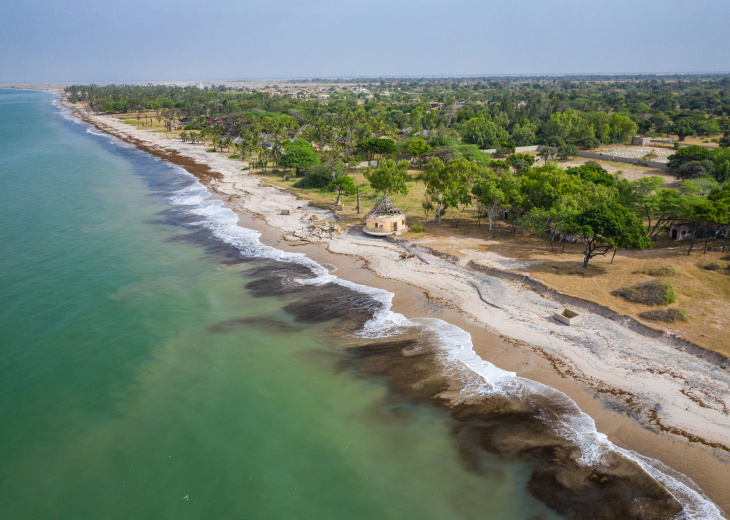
(714, 266)
(704, 295)
(654, 292)
(661, 272)
(665, 315)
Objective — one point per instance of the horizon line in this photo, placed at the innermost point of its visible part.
(348, 78)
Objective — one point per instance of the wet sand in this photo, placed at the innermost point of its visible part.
(619, 413)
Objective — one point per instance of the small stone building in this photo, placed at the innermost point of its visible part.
(385, 219)
(641, 141)
(684, 232)
(681, 232)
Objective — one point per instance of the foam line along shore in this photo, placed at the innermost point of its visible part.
(512, 318)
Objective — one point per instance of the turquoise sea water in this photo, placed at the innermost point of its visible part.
(142, 375)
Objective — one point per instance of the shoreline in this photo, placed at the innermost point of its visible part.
(514, 336)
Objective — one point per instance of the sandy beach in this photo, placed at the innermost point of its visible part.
(646, 392)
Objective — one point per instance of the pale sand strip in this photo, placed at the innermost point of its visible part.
(664, 387)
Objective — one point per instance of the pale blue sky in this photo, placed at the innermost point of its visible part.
(151, 40)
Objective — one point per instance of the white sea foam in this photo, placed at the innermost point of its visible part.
(478, 376)
(65, 112)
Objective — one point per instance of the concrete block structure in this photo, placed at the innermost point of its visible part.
(567, 316)
(641, 141)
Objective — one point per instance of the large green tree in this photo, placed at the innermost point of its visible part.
(389, 177)
(622, 128)
(482, 132)
(417, 147)
(447, 185)
(377, 147)
(607, 226)
(299, 155)
(687, 154)
(488, 195)
(342, 185)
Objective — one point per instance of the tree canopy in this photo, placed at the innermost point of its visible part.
(389, 177)
(606, 226)
(300, 155)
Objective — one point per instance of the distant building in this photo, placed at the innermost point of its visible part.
(641, 141)
(685, 232)
(681, 232)
(521, 104)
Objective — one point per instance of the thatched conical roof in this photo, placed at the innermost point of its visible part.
(384, 207)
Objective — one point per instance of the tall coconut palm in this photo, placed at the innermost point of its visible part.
(276, 152)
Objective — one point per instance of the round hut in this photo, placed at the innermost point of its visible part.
(385, 219)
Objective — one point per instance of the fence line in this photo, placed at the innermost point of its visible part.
(594, 155)
(679, 143)
(629, 160)
(518, 149)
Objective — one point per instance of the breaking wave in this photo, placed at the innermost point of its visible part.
(477, 376)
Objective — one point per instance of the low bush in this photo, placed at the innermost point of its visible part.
(234, 156)
(665, 315)
(417, 228)
(654, 292)
(714, 266)
(317, 178)
(663, 272)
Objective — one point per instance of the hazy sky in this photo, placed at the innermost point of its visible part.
(151, 40)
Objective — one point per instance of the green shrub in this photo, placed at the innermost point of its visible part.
(665, 315)
(654, 292)
(659, 271)
(417, 228)
(234, 156)
(211, 150)
(714, 266)
(317, 178)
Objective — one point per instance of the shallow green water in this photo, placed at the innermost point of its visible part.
(126, 391)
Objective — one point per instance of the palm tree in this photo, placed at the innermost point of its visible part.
(276, 152)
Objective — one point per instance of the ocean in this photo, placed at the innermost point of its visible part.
(158, 361)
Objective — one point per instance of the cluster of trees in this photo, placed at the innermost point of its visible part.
(397, 126)
(696, 162)
(486, 113)
(602, 211)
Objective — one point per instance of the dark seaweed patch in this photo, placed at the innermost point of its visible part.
(263, 323)
(515, 429)
(330, 302)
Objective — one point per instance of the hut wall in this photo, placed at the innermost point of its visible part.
(393, 224)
